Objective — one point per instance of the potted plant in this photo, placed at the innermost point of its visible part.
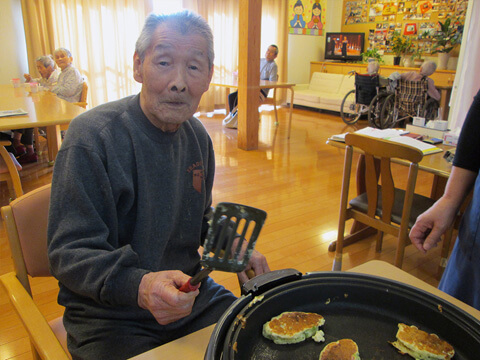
(445, 40)
(400, 46)
(372, 54)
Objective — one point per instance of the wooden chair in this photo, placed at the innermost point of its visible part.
(9, 168)
(25, 222)
(383, 207)
(83, 98)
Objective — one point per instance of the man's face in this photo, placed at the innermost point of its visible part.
(271, 53)
(63, 60)
(45, 72)
(175, 73)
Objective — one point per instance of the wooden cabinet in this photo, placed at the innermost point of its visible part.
(440, 77)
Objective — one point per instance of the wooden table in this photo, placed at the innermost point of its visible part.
(193, 346)
(264, 84)
(44, 109)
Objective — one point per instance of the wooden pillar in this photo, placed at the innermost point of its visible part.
(249, 73)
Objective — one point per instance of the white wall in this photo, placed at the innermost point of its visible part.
(13, 56)
(305, 48)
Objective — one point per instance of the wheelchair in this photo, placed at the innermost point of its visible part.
(366, 96)
(409, 99)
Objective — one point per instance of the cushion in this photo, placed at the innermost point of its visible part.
(419, 205)
(325, 82)
(307, 95)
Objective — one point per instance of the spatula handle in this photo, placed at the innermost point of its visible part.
(188, 287)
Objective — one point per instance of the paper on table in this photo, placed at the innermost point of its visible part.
(373, 132)
(424, 147)
(4, 113)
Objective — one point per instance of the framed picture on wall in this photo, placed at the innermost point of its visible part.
(410, 29)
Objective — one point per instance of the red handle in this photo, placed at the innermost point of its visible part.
(188, 287)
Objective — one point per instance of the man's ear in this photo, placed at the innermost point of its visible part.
(210, 76)
(137, 68)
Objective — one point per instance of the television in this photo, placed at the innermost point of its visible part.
(344, 46)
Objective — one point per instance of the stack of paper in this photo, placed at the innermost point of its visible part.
(4, 113)
(393, 135)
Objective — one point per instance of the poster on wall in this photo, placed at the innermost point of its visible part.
(307, 17)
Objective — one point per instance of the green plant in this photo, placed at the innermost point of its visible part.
(417, 54)
(449, 36)
(400, 45)
(372, 54)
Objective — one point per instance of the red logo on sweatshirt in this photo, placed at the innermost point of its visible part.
(198, 175)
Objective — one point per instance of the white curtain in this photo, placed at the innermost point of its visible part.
(467, 80)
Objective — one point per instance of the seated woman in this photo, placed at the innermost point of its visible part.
(427, 69)
(47, 69)
(69, 84)
(22, 140)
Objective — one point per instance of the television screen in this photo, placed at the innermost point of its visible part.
(344, 46)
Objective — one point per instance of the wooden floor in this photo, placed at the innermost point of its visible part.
(296, 181)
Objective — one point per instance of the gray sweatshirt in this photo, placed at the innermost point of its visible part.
(127, 199)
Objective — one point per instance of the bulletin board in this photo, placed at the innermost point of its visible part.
(379, 19)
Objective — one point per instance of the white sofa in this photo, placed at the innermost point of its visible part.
(325, 91)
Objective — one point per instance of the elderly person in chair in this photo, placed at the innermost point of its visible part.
(70, 82)
(47, 69)
(131, 195)
(427, 69)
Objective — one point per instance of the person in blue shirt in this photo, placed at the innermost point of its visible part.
(268, 71)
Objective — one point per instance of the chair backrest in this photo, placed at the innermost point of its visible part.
(365, 88)
(9, 168)
(83, 98)
(412, 95)
(26, 225)
(378, 154)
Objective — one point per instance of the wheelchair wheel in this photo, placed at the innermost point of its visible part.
(349, 110)
(388, 114)
(430, 109)
(375, 108)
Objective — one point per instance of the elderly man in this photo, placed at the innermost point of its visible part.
(131, 188)
(268, 71)
(427, 69)
(46, 69)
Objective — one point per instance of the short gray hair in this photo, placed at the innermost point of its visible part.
(184, 22)
(62, 50)
(372, 67)
(428, 68)
(46, 60)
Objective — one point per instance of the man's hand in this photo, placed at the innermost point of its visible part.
(158, 293)
(27, 77)
(258, 263)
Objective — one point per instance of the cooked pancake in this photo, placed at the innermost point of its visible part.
(421, 345)
(345, 349)
(293, 327)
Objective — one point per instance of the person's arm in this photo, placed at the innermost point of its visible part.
(429, 227)
(432, 90)
(83, 229)
(274, 72)
(69, 83)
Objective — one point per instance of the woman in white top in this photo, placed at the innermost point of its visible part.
(69, 84)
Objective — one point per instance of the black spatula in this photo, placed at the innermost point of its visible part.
(230, 241)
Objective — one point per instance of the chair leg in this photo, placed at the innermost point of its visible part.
(378, 247)
(402, 238)
(447, 239)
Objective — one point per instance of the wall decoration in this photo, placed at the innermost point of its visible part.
(410, 29)
(415, 19)
(307, 17)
